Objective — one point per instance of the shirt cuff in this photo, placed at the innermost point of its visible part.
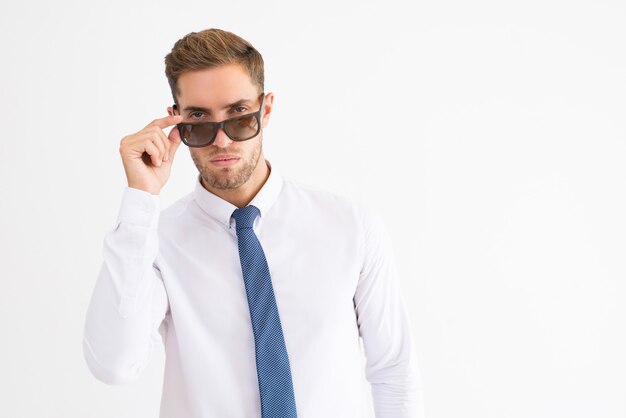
(138, 207)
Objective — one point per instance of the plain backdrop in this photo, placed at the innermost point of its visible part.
(490, 135)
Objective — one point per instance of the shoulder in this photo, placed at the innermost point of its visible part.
(321, 204)
(177, 209)
(305, 195)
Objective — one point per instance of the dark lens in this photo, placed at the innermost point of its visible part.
(242, 128)
(197, 135)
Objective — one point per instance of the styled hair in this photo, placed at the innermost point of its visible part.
(208, 49)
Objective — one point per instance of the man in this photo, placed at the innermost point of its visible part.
(258, 286)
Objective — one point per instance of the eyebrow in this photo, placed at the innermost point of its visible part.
(207, 110)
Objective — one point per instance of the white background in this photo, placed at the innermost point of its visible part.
(489, 134)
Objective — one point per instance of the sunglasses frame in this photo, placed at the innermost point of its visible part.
(221, 124)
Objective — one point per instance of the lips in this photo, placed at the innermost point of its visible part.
(225, 158)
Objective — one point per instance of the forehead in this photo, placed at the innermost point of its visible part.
(215, 87)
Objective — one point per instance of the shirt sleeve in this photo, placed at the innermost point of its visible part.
(125, 316)
(383, 321)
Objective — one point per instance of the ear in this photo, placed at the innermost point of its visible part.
(269, 103)
(170, 110)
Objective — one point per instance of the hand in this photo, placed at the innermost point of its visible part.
(148, 154)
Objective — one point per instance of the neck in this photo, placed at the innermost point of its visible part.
(244, 194)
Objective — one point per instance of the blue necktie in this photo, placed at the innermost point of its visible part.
(272, 363)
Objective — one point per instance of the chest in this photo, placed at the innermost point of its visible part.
(314, 272)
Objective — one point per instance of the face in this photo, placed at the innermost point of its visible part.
(223, 92)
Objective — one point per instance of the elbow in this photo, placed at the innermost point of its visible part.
(110, 371)
(398, 371)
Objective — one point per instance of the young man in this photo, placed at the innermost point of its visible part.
(259, 287)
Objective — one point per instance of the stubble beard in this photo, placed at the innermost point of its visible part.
(227, 177)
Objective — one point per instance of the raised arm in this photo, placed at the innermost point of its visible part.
(129, 303)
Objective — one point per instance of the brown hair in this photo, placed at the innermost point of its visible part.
(211, 48)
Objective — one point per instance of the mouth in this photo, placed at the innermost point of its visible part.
(225, 160)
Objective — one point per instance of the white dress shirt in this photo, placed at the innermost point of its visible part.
(173, 277)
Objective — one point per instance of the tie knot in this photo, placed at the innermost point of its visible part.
(244, 217)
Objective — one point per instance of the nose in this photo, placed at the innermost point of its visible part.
(221, 139)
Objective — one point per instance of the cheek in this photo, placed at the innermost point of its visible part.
(247, 147)
(254, 148)
(198, 156)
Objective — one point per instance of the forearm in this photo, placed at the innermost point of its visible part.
(392, 367)
(396, 382)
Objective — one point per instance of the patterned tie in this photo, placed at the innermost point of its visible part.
(272, 362)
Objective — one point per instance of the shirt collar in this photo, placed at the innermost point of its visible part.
(221, 210)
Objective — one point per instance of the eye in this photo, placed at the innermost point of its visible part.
(195, 113)
(240, 107)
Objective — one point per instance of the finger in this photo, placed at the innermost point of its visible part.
(174, 140)
(153, 152)
(166, 121)
(166, 145)
(155, 137)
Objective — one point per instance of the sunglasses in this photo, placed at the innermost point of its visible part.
(239, 128)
